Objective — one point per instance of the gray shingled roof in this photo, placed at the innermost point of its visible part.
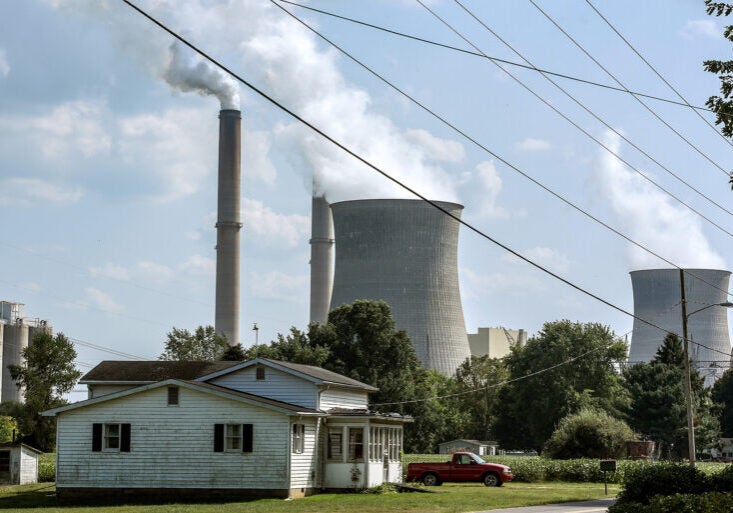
(151, 371)
(323, 374)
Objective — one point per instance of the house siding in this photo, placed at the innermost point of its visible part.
(28, 466)
(276, 385)
(333, 397)
(172, 446)
(304, 466)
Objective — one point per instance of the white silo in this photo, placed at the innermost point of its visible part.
(405, 252)
(658, 299)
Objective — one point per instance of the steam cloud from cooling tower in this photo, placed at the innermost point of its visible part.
(405, 252)
(657, 299)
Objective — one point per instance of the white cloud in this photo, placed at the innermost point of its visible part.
(109, 270)
(199, 265)
(553, 259)
(651, 218)
(278, 285)
(176, 146)
(443, 150)
(29, 192)
(490, 185)
(103, 301)
(476, 285)
(701, 28)
(533, 145)
(70, 129)
(255, 149)
(4, 65)
(271, 228)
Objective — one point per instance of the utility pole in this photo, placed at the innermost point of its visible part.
(688, 386)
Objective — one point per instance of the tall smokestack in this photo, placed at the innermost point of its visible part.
(321, 259)
(228, 225)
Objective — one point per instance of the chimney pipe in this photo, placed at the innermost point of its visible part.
(228, 225)
(321, 259)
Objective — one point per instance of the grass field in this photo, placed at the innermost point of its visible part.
(449, 498)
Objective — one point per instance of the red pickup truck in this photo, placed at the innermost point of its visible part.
(465, 466)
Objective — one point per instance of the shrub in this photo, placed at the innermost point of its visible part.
(644, 482)
(588, 434)
(47, 468)
(713, 502)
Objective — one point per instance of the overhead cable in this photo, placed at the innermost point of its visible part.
(386, 175)
(675, 91)
(487, 150)
(651, 111)
(598, 118)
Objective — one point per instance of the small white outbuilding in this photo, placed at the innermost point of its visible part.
(18, 464)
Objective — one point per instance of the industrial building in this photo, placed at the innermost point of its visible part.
(495, 342)
(16, 332)
(658, 299)
(405, 252)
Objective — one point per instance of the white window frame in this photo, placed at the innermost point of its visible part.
(107, 437)
(353, 444)
(298, 434)
(177, 394)
(233, 438)
(333, 435)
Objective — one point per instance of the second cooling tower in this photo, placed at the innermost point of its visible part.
(657, 299)
(405, 252)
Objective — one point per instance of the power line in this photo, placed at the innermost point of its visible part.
(651, 111)
(679, 95)
(483, 56)
(598, 118)
(581, 129)
(386, 175)
(486, 149)
(107, 349)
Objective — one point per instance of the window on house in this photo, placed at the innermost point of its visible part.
(233, 438)
(356, 444)
(335, 444)
(298, 438)
(111, 437)
(172, 396)
(260, 373)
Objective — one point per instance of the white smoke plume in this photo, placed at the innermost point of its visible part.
(653, 219)
(283, 57)
(188, 73)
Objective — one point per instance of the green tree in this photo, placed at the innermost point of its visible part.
(478, 380)
(204, 344)
(658, 409)
(722, 395)
(47, 374)
(588, 434)
(295, 347)
(233, 354)
(565, 367)
(8, 428)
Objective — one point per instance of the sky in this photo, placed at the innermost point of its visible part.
(108, 153)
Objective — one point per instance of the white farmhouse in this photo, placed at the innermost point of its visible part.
(192, 429)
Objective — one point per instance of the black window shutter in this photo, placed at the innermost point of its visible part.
(96, 437)
(124, 437)
(247, 438)
(218, 437)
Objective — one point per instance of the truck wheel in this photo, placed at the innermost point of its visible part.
(430, 479)
(491, 479)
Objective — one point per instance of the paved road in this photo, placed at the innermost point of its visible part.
(597, 506)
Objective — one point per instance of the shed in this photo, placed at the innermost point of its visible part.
(482, 448)
(18, 464)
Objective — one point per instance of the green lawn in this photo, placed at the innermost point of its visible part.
(455, 498)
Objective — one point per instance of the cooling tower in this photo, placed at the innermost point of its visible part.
(657, 298)
(228, 226)
(15, 339)
(405, 252)
(321, 259)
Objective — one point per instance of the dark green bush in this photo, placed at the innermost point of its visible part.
(713, 502)
(588, 434)
(722, 481)
(644, 482)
